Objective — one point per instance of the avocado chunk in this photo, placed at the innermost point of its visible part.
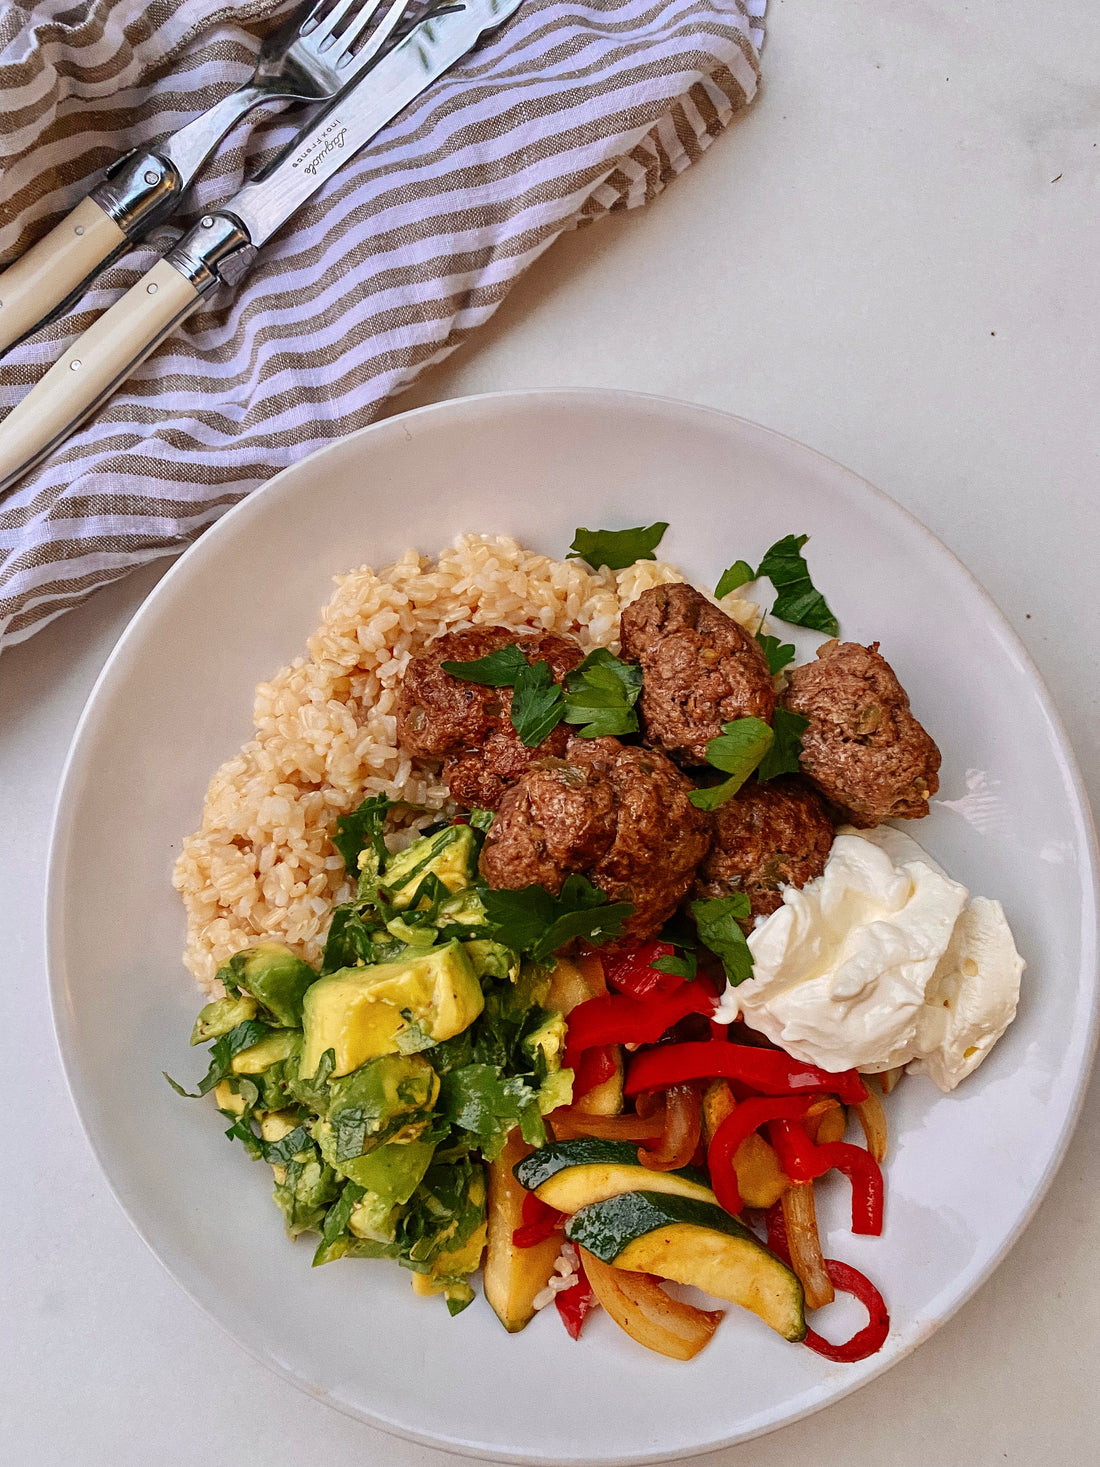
(361, 1013)
(274, 977)
(387, 1099)
(223, 1014)
(450, 855)
(270, 1050)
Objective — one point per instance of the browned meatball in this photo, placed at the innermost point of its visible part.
(700, 670)
(769, 835)
(440, 716)
(863, 748)
(620, 815)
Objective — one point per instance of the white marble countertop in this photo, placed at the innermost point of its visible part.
(893, 258)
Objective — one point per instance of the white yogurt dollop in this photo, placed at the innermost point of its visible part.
(882, 961)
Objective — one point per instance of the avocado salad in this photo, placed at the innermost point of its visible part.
(378, 1088)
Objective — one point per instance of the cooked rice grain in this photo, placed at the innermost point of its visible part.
(262, 864)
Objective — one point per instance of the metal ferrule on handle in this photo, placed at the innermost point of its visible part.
(101, 360)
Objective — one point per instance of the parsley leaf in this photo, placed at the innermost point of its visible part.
(682, 965)
(717, 921)
(537, 704)
(743, 744)
(537, 700)
(500, 669)
(362, 828)
(479, 1098)
(778, 653)
(784, 753)
(601, 693)
(798, 601)
(617, 548)
(739, 574)
(534, 921)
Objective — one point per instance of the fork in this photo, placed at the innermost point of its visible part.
(309, 58)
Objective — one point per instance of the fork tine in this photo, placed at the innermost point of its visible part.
(313, 19)
(321, 37)
(378, 36)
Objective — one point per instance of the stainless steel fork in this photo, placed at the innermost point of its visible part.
(310, 58)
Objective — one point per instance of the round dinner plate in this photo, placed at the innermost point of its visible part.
(965, 1170)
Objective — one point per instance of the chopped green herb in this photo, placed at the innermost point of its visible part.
(717, 921)
(680, 965)
(741, 747)
(481, 1099)
(534, 921)
(537, 704)
(481, 819)
(278, 1153)
(785, 752)
(601, 693)
(617, 548)
(798, 601)
(362, 828)
(499, 669)
(778, 653)
(739, 573)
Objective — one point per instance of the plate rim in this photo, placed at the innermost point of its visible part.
(671, 407)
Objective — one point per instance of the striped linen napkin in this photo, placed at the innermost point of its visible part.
(575, 108)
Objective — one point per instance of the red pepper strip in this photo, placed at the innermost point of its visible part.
(594, 1067)
(867, 1341)
(741, 1122)
(573, 1304)
(617, 1019)
(539, 1221)
(632, 973)
(769, 1071)
(871, 1338)
(803, 1161)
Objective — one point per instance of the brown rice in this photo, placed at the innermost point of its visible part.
(262, 864)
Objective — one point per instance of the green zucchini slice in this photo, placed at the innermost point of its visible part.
(696, 1243)
(569, 1175)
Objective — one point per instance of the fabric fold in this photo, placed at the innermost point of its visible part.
(571, 111)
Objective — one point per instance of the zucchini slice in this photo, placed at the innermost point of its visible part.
(695, 1243)
(569, 1175)
(513, 1276)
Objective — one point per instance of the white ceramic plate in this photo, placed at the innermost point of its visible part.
(966, 1171)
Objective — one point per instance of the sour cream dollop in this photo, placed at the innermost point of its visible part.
(881, 961)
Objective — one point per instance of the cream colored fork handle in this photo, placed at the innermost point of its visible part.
(55, 267)
(93, 367)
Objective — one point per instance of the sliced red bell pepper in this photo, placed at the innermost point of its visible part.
(632, 973)
(802, 1161)
(593, 1067)
(867, 1341)
(539, 1221)
(573, 1304)
(617, 1019)
(769, 1071)
(741, 1122)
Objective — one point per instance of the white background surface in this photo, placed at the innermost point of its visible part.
(878, 261)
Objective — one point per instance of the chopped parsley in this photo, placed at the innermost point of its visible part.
(617, 548)
(718, 924)
(500, 669)
(600, 695)
(533, 921)
(785, 751)
(778, 653)
(798, 601)
(738, 574)
(739, 750)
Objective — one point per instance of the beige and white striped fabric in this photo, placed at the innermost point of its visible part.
(575, 108)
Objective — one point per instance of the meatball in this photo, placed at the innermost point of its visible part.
(620, 815)
(700, 670)
(469, 725)
(769, 835)
(863, 748)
